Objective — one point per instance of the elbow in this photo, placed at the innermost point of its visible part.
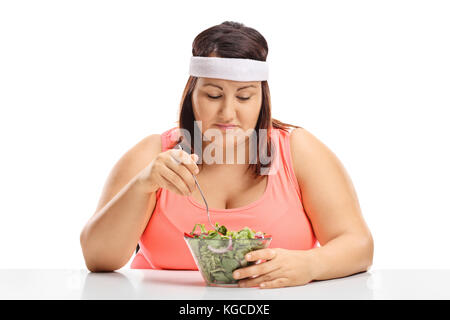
(94, 260)
(83, 238)
(368, 252)
(101, 264)
(98, 257)
(364, 246)
(99, 269)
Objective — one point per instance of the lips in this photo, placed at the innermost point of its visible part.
(226, 126)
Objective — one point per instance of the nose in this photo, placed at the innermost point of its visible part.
(227, 111)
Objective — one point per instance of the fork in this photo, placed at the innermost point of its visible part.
(204, 200)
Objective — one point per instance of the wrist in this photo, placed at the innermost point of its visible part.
(143, 184)
(313, 264)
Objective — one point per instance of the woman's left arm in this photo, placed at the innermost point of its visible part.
(332, 206)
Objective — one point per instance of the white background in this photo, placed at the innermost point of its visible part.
(81, 82)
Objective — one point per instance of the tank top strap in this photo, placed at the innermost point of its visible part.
(169, 138)
(287, 158)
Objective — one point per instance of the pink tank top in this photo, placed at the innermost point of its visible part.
(278, 212)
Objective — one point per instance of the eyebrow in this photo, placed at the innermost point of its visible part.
(215, 85)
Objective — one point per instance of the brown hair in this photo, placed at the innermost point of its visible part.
(232, 40)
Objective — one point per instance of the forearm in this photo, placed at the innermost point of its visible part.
(343, 256)
(110, 236)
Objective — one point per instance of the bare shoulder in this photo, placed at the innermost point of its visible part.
(139, 155)
(308, 151)
(328, 194)
(147, 148)
(301, 140)
(129, 165)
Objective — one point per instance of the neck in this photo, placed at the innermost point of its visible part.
(236, 157)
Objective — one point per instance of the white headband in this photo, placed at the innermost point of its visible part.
(235, 69)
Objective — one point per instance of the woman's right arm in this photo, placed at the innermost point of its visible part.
(109, 238)
(129, 197)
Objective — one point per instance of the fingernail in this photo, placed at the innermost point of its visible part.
(248, 257)
(236, 275)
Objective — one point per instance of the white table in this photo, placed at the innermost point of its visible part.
(176, 285)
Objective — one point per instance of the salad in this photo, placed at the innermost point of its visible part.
(223, 233)
(219, 252)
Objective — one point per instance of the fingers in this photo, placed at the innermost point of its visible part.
(173, 182)
(177, 170)
(255, 275)
(184, 174)
(262, 254)
(166, 184)
(258, 269)
(173, 170)
(182, 157)
(195, 158)
(277, 282)
(267, 278)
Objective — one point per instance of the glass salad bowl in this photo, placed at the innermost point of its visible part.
(218, 254)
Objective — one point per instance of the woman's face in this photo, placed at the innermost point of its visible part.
(217, 101)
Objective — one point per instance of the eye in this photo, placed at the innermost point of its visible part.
(241, 98)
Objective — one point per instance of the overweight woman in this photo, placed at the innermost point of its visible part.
(271, 176)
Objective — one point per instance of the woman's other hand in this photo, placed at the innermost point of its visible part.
(282, 268)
